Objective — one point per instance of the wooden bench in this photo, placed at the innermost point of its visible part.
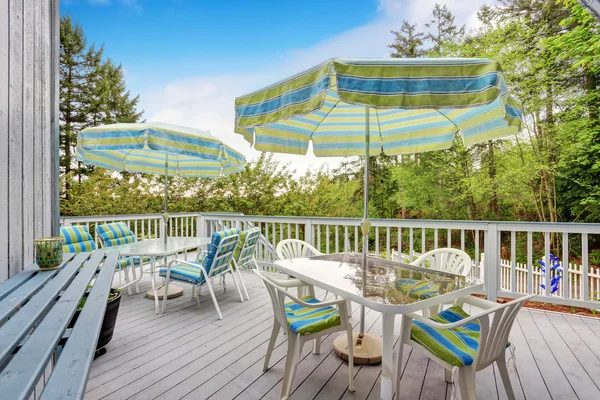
(39, 356)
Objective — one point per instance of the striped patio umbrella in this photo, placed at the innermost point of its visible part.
(368, 107)
(158, 148)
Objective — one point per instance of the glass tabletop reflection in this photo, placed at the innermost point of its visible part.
(388, 282)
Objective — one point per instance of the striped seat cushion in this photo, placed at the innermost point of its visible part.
(126, 261)
(185, 273)
(114, 234)
(305, 320)
(418, 289)
(456, 346)
(77, 239)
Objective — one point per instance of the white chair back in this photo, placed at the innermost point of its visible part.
(277, 295)
(495, 325)
(294, 248)
(450, 260)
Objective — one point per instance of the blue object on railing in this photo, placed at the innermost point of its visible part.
(555, 270)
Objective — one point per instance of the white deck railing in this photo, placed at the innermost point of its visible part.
(511, 241)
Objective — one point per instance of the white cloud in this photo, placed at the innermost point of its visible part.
(207, 102)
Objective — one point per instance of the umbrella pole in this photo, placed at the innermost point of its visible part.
(166, 205)
(367, 348)
(365, 222)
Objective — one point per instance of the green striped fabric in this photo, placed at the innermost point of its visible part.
(415, 105)
(457, 346)
(418, 289)
(144, 148)
(306, 320)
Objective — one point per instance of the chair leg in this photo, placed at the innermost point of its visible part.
(501, 363)
(274, 334)
(239, 274)
(317, 345)
(214, 299)
(237, 286)
(126, 272)
(448, 376)
(351, 358)
(291, 364)
(165, 292)
(466, 383)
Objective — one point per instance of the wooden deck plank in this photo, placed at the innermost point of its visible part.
(153, 365)
(171, 356)
(552, 374)
(580, 381)
(586, 357)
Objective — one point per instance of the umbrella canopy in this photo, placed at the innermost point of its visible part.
(414, 105)
(393, 106)
(148, 147)
(158, 148)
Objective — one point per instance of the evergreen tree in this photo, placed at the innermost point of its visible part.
(444, 29)
(93, 92)
(407, 42)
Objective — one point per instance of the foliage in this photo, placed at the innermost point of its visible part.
(93, 92)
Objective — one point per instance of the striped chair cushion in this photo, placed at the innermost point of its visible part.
(77, 239)
(184, 273)
(115, 234)
(126, 261)
(216, 239)
(244, 254)
(418, 289)
(456, 346)
(304, 320)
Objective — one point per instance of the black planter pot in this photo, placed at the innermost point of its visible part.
(108, 324)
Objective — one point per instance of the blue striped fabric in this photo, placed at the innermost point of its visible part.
(457, 346)
(77, 239)
(415, 105)
(144, 148)
(307, 320)
(114, 234)
(185, 273)
(418, 289)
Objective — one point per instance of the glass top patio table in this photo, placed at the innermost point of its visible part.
(158, 248)
(392, 287)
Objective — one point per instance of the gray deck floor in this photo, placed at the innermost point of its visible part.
(189, 354)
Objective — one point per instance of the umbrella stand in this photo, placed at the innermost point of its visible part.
(367, 348)
(174, 290)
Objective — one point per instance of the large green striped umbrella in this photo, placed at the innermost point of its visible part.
(158, 148)
(371, 106)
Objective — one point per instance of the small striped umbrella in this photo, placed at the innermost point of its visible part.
(158, 148)
(367, 107)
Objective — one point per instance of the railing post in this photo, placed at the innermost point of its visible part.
(491, 267)
(200, 226)
(308, 232)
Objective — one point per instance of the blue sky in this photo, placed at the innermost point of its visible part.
(189, 59)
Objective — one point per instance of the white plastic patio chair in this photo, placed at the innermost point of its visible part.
(216, 262)
(294, 248)
(461, 343)
(450, 260)
(304, 320)
(446, 259)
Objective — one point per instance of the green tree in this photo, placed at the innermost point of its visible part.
(93, 92)
(443, 28)
(407, 41)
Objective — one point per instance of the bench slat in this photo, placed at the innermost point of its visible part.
(16, 328)
(71, 371)
(19, 377)
(24, 292)
(13, 283)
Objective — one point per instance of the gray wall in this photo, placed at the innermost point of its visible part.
(29, 38)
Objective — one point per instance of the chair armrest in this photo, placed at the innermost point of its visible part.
(290, 283)
(478, 302)
(467, 320)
